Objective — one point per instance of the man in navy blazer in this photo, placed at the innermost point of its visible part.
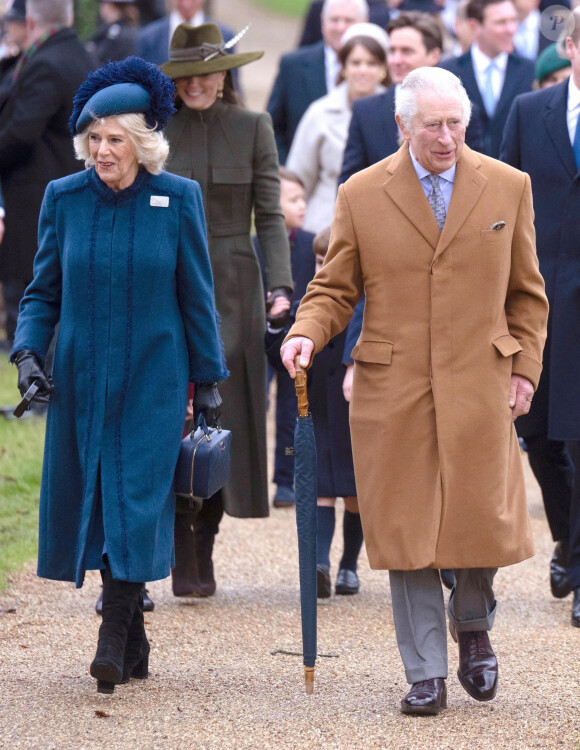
(415, 40)
(492, 74)
(542, 138)
(153, 39)
(310, 72)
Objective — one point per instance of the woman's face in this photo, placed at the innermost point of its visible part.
(362, 72)
(114, 153)
(200, 92)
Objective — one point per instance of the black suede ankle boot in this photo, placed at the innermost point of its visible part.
(136, 661)
(120, 598)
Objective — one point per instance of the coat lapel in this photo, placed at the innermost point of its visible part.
(404, 189)
(468, 186)
(556, 125)
(511, 86)
(469, 81)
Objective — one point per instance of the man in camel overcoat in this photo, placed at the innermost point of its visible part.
(441, 240)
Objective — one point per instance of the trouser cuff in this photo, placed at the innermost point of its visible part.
(426, 672)
(465, 626)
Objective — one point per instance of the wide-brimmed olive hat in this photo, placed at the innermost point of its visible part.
(199, 50)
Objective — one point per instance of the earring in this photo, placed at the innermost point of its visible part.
(220, 92)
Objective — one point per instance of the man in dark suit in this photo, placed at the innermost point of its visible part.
(35, 145)
(493, 75)
(542, 138)
(312, 33)
(153, 39)
(310, 72)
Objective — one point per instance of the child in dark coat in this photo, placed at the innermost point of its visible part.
(328, 397)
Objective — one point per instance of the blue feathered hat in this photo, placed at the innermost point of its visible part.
(118, 88)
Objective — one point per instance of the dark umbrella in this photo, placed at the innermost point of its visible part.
(306, 491)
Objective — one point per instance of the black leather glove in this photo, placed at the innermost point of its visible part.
(277, 322)
(207, 401)
(30, 371)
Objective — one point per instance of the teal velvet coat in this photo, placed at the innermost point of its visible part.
(127, 275)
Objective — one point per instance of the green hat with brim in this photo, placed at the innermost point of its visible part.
(200, 50)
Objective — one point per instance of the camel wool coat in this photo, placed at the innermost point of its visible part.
(449, 317)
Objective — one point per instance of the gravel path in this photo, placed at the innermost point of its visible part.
(215, 682)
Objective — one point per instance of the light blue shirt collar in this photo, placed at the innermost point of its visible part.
(445, 183)
(448, 175)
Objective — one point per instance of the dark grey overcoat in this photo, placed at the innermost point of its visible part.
(231, 152)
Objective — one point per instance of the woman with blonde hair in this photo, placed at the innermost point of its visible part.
(123, 266)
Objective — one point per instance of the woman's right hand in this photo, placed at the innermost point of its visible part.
(29, 371)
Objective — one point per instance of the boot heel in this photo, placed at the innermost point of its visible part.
(105, 687)
(141, 670)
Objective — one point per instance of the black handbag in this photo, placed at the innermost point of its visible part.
(203, 465)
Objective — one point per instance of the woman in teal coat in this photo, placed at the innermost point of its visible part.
(123, 266)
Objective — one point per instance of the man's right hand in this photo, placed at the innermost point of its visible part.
(297, 345)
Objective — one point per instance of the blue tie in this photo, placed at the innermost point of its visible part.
(576, 144)
(488, 94)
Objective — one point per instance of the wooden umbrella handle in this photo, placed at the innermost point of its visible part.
(301, 390)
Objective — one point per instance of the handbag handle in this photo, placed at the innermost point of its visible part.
(301, 389)
(201, 422)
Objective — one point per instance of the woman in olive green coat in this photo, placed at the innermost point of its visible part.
(231, 152)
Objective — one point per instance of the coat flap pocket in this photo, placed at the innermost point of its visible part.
(507, 345)
(373, 351)
(232, 175)
(493, 235)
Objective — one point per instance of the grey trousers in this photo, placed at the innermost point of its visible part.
(419, 614)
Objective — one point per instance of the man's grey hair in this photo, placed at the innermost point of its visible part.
(50, 12)
(428, 80)
(362, 5)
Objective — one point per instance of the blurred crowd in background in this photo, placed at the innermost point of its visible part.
(331, 106)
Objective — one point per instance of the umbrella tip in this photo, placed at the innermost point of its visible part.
(309, 680)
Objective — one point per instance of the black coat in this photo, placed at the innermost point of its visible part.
(334, 465)
(303, 265)
(113, 41)
(537, 141)
(373, 133)
(35, 143)
(300, 81)
(519, 77)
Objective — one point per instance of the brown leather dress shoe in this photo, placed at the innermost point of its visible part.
(425, 698)
(478, 672)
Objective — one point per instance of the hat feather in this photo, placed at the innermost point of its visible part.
(132, 69)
